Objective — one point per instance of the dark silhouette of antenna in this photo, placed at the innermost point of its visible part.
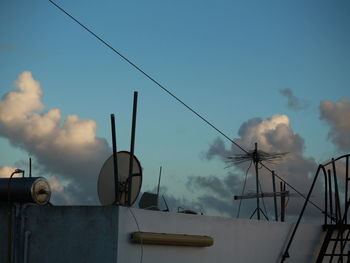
(257, 157)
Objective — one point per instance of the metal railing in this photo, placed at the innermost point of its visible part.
(332, 207)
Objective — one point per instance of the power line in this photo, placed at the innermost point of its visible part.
(303, 196)
(168, 92)
(148, 76)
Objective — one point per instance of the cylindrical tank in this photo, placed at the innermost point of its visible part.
(25, 190)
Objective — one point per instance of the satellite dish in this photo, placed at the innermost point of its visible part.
(106, 185)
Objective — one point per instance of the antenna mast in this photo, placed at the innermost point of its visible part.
(257, 156)
(160, 174)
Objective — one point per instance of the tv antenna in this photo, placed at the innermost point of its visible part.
(127, 188)
(257, 157)
(120, 178)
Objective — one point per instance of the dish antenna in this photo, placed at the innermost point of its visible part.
(126, 187)
(120, 178)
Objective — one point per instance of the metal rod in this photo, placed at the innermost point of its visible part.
(337, 200)
(30, 167)
(326, 200)
(283, 201)
(336, 159)
(160, 174)
(132, 145)
(261, 195)
(265, 215)
(256, 162)
(346, 183)
(344, 218)
(330, 193)
(274, 194)
(286, 253)
(115, 159)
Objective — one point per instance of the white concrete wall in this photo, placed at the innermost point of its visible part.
(93, 234)
(235, 240)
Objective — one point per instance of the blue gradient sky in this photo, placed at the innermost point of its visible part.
(227, 59)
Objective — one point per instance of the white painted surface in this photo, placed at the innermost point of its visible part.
(93, 234)
(235, 240)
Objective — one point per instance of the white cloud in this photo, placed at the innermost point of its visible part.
(70, 150)
(273, 135)
(337, 115)
(6, 171)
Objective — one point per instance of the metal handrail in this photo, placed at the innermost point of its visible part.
(339, 220)
(286, 253)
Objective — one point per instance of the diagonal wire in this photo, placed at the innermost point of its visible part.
(169, 92)
(138, 228)
(302, 195)
(148, 76)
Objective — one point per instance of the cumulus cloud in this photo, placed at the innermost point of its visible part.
(6, 171)
(273, 135)
(337, 115)
(294, 103)
(69, 150)
(216, 192)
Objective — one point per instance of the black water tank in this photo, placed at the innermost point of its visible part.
(25, 190)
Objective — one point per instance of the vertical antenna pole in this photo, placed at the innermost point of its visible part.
(346, 184)
(283, 200)
(256, 162)
(115, 160)
(274, 194)
(330, 193)
(30, 167)
(325, 199)
(336, 191)
(132, 144)
(160, 174)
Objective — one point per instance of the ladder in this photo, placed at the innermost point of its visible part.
(334, 247)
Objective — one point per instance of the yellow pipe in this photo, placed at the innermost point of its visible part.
(171, 239)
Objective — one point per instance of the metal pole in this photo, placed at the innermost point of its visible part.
(337, 200)
(346, 184)
(132, 144)
(325, 199)
(256, 162)
(30, 167)
(274, 194)
(115, 160)
(283, 201)
(286, 252)
(160, 174)
(330, 194)
(261, 195)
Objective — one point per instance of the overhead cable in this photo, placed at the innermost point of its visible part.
(167, 91)
(148, 76)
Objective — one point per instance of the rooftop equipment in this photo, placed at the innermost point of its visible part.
(120, 178)
(126, 184)
(25, 190)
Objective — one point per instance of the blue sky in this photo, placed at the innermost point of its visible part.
(227, 59)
